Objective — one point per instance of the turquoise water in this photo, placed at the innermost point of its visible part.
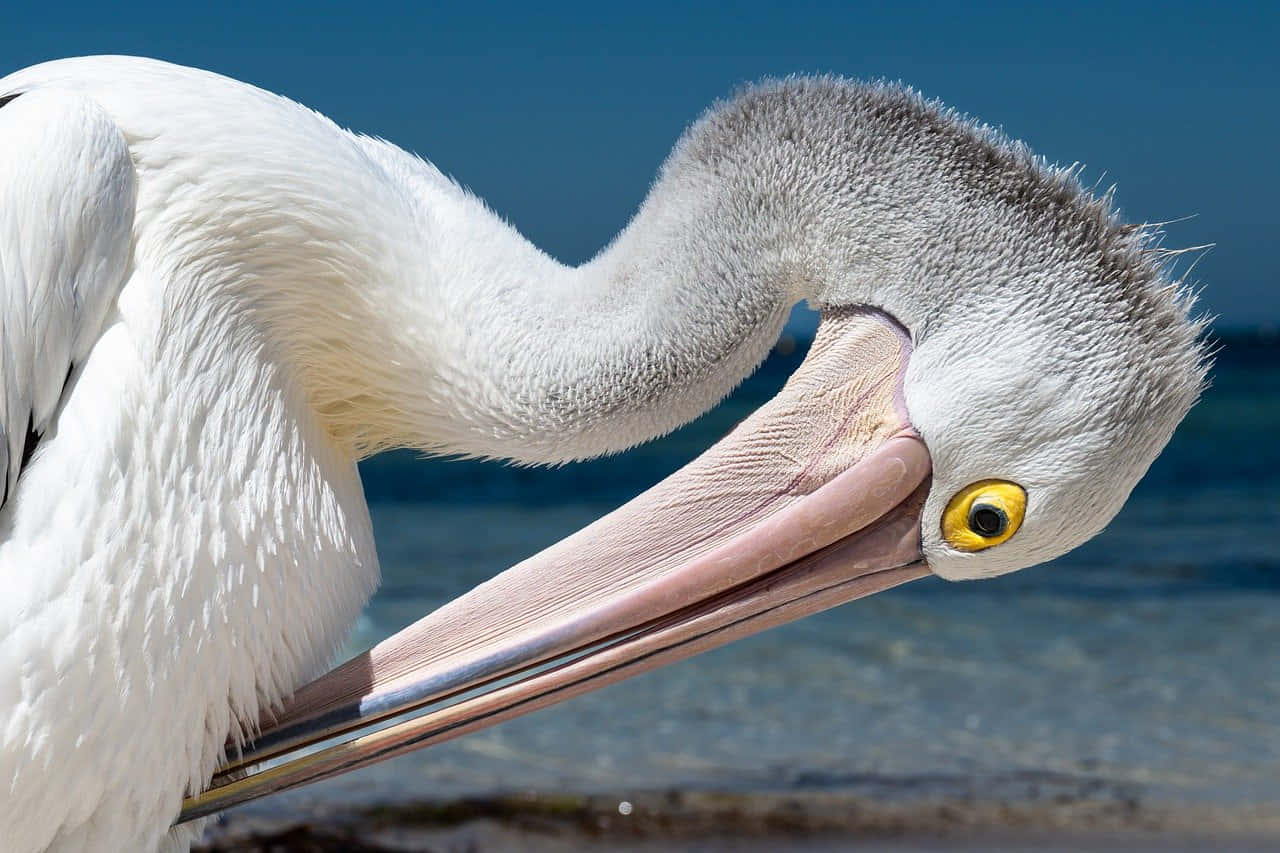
(1142, 663)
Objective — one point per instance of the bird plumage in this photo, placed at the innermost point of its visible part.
(249, 299)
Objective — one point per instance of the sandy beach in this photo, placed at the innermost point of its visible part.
(1049, 818)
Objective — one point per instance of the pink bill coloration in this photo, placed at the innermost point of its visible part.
(812, 501)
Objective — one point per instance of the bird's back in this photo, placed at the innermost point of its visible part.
(187, 542)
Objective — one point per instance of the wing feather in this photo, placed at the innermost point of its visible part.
(68, 192)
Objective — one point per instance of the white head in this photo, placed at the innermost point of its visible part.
(1051, 349)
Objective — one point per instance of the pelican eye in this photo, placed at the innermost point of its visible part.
(983, 514)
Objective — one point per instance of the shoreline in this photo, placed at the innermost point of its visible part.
(706, 821)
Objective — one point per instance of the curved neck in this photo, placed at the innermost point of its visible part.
(505, 352)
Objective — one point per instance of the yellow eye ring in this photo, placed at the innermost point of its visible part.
(984, 514)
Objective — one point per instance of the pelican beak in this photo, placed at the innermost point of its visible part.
(811, 502)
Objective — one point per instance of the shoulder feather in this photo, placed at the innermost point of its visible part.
(67, 198)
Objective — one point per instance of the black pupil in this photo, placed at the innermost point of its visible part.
(987, 520)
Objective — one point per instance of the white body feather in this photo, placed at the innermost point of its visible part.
(127, 553)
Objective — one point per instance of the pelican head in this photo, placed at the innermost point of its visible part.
(1051, 352)
(217, 301)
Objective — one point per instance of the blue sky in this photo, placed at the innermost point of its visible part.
(559, 114)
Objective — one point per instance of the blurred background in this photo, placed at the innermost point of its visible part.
(1130, 685)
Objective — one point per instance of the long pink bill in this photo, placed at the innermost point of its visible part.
(811, 502)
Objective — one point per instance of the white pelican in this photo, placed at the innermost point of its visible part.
(215, 301)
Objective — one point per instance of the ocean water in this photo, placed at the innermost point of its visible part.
(1142, 665)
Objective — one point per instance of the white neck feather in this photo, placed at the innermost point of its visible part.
(480, 344)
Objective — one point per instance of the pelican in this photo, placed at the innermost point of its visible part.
(216, 301)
